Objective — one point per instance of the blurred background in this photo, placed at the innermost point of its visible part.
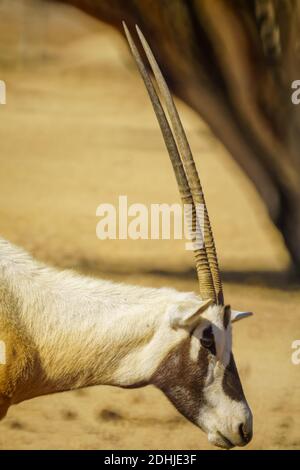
(78, 130)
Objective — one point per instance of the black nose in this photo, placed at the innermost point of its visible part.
(245, 434)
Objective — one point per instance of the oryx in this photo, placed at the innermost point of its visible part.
(63, 331)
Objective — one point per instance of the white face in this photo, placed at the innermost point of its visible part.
(201, 379)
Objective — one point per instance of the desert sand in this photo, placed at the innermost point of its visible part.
(78, 130)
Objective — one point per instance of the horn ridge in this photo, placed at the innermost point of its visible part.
(191, 172)
(202, 263)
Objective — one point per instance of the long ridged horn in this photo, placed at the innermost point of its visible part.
(186, 182)
(193, 180)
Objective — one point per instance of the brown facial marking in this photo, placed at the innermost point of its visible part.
(227, 315)
(182, 380)
(231, 382)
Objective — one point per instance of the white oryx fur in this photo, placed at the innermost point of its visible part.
(86, 331)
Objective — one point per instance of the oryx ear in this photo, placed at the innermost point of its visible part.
(236, 315)
(187, 314)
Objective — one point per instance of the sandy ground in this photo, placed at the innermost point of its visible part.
(77, 131)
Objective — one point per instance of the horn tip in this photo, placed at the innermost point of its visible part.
(139, 30)
(124, 25)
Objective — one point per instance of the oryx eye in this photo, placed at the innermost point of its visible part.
(208, 340)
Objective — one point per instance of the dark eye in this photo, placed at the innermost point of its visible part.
(206, 342)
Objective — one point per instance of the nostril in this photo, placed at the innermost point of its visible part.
(246, 436)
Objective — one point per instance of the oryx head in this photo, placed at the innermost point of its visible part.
(199, 376)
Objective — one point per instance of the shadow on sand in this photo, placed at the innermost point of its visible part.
(283, 280)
